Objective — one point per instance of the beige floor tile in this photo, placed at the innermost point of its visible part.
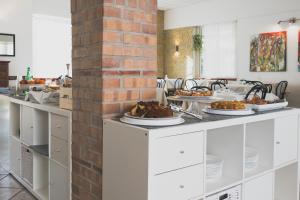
(10, 182)
(8, 193)
(24, 195)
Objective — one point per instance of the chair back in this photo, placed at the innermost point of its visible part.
(190, 83)
(178, 83)
(269, 88)
(224, 81)
(260, 90)
(200, 88)
(215, 85)
(281, 89)
(161, 83)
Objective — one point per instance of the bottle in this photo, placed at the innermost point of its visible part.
(28, 75)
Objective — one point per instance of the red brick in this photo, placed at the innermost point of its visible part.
(110, 11)
(110, 36)
(111, 83)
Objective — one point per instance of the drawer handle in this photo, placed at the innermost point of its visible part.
(58, 126)
(181, 152)
(31, 127)
(277, 142)
(57, 150)
(181, 186)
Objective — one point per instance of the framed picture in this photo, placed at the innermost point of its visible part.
(7, 44)
(299, 51)
(268, 52)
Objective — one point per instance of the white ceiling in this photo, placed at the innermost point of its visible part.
(170, 4)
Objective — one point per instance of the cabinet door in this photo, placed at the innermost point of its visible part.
(286, 139)
(260, 188)
(59, 182)
(15, 156)
(27, 125)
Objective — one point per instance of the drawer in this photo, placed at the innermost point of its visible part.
(178, 151)
(183, 184)
(59, 151)
(27, 165)
(60, 126)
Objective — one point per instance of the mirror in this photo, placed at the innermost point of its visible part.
(7, 44)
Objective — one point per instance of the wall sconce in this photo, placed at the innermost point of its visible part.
(177, 50)
(290, 21)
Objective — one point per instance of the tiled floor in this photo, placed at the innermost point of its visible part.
(10, 189)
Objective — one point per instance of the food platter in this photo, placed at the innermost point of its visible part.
(242, 112)
(270, 106)
(166, 121)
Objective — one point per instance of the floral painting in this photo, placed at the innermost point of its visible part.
(268, 52)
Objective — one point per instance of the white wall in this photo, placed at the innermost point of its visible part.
(253, 17)
(15, 18)
(248, 27)
(52, 46)
(44, 44)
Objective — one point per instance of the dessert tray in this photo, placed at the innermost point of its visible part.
(241, 112)
(164, 121)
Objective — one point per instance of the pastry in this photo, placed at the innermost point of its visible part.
(150, 110)
(228, 105)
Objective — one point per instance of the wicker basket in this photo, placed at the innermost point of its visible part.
(65, 98)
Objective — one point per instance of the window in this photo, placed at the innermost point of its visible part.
(219, 51)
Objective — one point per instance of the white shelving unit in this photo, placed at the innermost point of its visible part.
(40, 138)
(170, 162)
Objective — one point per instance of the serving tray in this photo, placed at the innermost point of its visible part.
(247, 111)
(272, 106)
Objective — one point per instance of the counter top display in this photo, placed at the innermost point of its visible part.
(256, 154)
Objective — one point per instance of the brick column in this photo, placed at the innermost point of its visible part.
(114, 65)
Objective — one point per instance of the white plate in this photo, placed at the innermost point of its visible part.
(175, 116)
(156, 122)
(229, 112)
(272, 106)
(194, 98)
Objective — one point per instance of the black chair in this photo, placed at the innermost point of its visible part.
(190, 83)
(215, 85)
(254, 82)
(200, 88)
(257, 90)
(224, 81)
(281, 89)
(269, 88)
(161, 83)
(177, 86)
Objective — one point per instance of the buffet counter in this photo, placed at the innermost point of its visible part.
(40, 148)
(248, 157)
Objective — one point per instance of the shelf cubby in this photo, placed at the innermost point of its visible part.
(260, 136)
(41, 175)
(226, 143)
(286, 182)
(41, 127)
(14, 112)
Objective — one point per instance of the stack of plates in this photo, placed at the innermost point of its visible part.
(214, 167)
(251, 160)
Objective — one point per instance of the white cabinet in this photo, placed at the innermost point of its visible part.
(181, 184)
(178, 151)
(27, 125)
(286, 139)
(59, 151)
(59, 182)
(260, 188)
(60, 126)
(15, 156)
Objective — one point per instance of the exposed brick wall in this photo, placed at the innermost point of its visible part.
(114, 65)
